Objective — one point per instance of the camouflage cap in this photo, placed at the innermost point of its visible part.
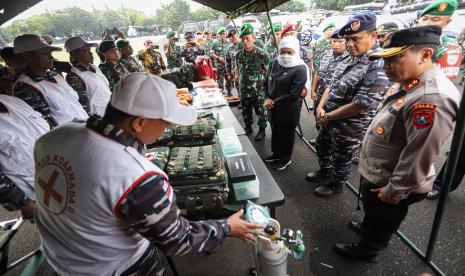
(246, 29)
(440, 7)
(221, 30)
(121, 43)
(170, 34)
(276, 27)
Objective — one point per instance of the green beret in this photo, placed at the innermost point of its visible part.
(221, 30)
(441, 7)
(106, 45)
(170, 34)
(329, 25)
(121, 43)
(246, 29)
(277, 27)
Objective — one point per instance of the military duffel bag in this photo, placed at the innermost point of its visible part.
(158, 156)
(199, 179)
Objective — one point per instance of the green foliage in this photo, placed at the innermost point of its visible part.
(293, 6)
(337, 4)
(204, 13)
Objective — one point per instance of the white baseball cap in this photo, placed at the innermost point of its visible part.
(30, 42)
(149, 96)
(76, 42)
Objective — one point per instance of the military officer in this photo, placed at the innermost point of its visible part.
(230, 68)
(404, 139)
(111, 67)
(173, 51)
(218, 53)
(322, 45)
(126, 51)
(251, 66)
(384, 30)
(191, 49)
(439, 13)
(270, 46)
(329, 60)
(151, 59)
(354, 92)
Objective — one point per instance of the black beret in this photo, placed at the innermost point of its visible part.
(359, 23)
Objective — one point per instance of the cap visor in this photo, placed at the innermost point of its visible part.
(182, 115)
(389, 52)
(48, 49)
(91, 44)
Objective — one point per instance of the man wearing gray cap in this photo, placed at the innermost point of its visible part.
(87, 78)
(45, 91)
(106, 209)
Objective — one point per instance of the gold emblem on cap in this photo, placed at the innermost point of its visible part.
(442, 7)
(355, 26)
(381, 27)
(387, 42)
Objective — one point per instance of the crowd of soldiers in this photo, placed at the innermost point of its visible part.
(363, 91)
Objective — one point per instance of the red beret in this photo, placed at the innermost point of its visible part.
(288, 28)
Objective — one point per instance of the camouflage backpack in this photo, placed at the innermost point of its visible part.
(199, 179)
(158, 156)
(181, 76)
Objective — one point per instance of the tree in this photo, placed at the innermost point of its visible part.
(204, 13)
(173, 14)
(293, 6)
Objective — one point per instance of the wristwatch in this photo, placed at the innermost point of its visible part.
(226, 228)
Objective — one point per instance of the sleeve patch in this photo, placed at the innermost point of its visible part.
(423, 115)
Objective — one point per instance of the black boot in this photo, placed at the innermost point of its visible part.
(248, 129)
(328, 190)
(357, 251)
(322, 175)
(260, 135)
(357, 227)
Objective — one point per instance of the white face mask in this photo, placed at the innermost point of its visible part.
(288, 60)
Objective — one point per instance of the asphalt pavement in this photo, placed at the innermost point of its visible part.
(323, 222)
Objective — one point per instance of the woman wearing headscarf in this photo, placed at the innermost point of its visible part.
(286, 78)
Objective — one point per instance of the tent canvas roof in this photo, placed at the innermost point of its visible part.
(237, 8)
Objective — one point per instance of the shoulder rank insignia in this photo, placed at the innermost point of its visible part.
(423, 115)
(412, 84)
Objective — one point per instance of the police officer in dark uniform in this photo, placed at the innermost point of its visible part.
(355, 88)
(404, 139)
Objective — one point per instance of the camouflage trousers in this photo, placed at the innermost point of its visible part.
(221, 77)
(253, 103)
(230, 83)
(336, 144)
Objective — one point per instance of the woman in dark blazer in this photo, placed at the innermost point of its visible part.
(286, 78)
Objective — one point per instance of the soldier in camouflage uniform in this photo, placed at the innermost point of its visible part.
(251, 66)
(111, 68)
(270, 47)
(356, 88)
(151, 59)
(191, 49)
(234, 46)
(322, 45)
(209, 41)
(126, 59)
(218, 54)
(173, 51)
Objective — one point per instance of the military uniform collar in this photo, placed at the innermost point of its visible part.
(114, 133)
(50, 76)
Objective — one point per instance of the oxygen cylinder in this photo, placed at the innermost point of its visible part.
(272, 254)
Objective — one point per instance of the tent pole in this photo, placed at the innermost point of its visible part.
(271, 24)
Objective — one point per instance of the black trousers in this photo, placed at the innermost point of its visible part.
(458, 176)
(282, 140)
(381, 219)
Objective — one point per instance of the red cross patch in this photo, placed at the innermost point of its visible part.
(53, 188)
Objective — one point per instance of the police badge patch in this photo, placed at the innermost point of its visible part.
(423, 115)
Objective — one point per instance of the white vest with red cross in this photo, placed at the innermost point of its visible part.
(97, 89)
(62, 100)
(81, 179)
(20, 127)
